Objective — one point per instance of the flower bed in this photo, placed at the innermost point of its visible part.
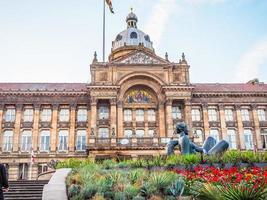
(169, 177)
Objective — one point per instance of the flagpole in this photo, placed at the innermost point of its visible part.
(104, 28)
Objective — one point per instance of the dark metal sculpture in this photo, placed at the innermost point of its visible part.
(187, 147)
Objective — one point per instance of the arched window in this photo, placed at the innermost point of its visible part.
(133, 35)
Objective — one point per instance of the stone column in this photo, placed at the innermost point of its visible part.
(187, 115)
(169, 121)
(161, 113)
(257, 132)
(35, 132)
(240, 129)
(54, 137)
(1, 121)
(16, 140)
(88, 134)
(113, 117)
(206, 121)
(93, 115)
(223, 134)
(72, 128)
(120, 119)
(146, 122)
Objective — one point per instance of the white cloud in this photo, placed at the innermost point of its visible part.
(156, 23)
(249, 64)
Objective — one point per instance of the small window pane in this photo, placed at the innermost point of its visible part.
(151, 115)
(176, 112)
(10, 115)
(64, 115)
(140, 115)
(261, 115)
(127, 115)
(26, 140)
(8, 140)
(103, 133)
(151, 132)
(63, 140)
(103, 112)
(245, 115)
(215, 134)
(140, 133)
(28, 115)
(82, 115)
(195, 114)
(81, 140)
(45, 140)
(248, 139)
(229, 115)
(231, 138)
(212, 115)
(128, 133)
(46, 115)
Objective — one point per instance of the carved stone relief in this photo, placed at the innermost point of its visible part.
(140, 58)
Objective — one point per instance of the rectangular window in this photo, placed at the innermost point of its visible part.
(248, 139)
(140, 115)
(81, 140)
(64, 115)
(231, 137)
(198, 133)
(128, 115)
(229, 117)
(10, 115)
(176, 112)
(212, 113)
(46, 115)
(45, 141)
(8, 140)
(128, 133)
(140, 133)
(215, 134)
(28, 115)
(151, 115)
(103, 112)
(63, 140)
(195, 114)
(103, 133)
(261, 115)
(26, 140)
(245, 115)
(82, 115)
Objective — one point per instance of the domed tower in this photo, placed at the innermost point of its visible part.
(130, 39)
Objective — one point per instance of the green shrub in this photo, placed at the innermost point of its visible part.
(191, 159)
(74, 190)
(139, 198)
(120, 196)
(89, 190)
(177, 188)
(136, 174)
(174, 160)
(108, 164)
(157, 161)
(131, 191)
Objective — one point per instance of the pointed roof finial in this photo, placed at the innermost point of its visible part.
(95, 58)
(183, 58)
(131, 9)
(166, 56)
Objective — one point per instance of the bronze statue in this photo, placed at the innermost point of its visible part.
(187, 147)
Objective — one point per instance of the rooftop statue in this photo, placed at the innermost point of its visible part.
(187, 147)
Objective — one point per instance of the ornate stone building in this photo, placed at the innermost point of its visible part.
(129, 109)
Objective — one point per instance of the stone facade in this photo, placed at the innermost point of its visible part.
(129, 109)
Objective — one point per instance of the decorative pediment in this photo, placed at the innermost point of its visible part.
(141, 58)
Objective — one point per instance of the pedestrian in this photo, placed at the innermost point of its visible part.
(3, 181)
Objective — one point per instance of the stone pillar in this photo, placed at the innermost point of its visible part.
(206, 121)
(16, 140)
(13, 171)
(1, 121)
(72, 128)
(240, 129)
(93, 115)
(35, 132)
(54, 137)
(187, 116)
(88, 134)
(162, 130)
(120, 119)
(257, 132)
(34, 171)
(146, 122)
(223, 134)
(169, 121)
(113, 117)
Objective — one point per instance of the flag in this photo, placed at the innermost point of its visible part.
(32, 157)
(109, 2)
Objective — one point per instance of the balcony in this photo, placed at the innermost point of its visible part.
(8, 124)
(102, 122)
(26, 125)
(197, 124)
(140, 124)
(127, 124)
(263, 123)
(214, 124)
(231, 124)
(45, 125)
(63, 124)
(247, 124)
(81, 124)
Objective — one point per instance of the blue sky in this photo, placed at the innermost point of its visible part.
(54, 40)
